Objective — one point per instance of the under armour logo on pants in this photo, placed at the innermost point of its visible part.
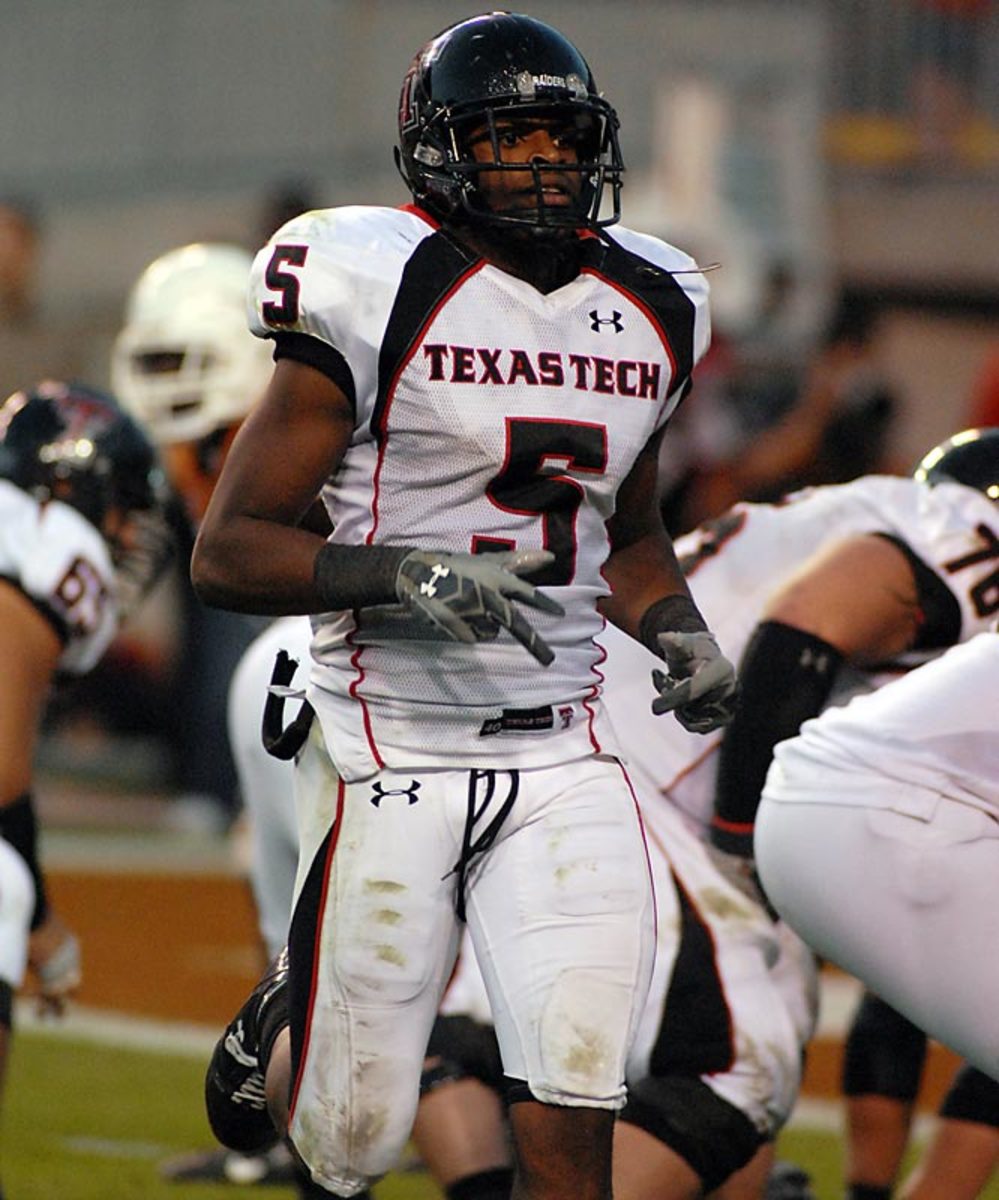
(378, 793)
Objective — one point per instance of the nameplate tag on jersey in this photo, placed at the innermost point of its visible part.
(519, 720)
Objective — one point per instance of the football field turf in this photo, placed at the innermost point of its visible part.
(93, 1118)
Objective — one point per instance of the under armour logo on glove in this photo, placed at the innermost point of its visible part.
(469, 596)
(614, 320)
(378, 793)
(430, 587)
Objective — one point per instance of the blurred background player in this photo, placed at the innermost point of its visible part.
(765, 426)
(188, 367)
(20, 245)
(83, 536)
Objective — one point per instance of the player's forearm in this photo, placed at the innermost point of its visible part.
(256, 566)
(641, 575)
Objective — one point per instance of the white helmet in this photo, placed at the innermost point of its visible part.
(185, 363)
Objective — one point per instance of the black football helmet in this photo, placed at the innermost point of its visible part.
(69, 442)
(970, 457)
(512, 66)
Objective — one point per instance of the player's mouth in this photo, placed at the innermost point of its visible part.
(554, 195)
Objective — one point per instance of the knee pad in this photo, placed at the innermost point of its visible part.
(460, 1048)
(884, 1053)
(712, 1136)
(972, 1097)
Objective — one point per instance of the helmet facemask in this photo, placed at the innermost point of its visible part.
(450, 173)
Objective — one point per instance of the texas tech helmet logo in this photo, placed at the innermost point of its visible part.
(408, 109)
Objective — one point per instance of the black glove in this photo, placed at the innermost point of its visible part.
(469, 596)
(700, 684)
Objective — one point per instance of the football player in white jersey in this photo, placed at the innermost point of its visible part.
(477, 384)
(823, 618)
(83, 535)
(878, 839)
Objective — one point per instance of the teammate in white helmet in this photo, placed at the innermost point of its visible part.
(83, 535)
(185, 364)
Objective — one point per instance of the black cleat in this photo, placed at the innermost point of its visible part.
(234, 1084)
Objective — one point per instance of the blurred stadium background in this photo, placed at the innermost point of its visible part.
(832, 155)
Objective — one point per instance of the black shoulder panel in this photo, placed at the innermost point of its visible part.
(314, 352)
(657, 291)
(436, 269)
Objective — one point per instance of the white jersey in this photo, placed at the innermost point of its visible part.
(734, 564)
(488, 416)
(933, 734)
(61, 563)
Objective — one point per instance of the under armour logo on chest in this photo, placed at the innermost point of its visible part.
(378, 793)
(597, 322)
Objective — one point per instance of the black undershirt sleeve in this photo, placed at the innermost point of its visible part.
(785, 678)
(313, 352)
(941, 613)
